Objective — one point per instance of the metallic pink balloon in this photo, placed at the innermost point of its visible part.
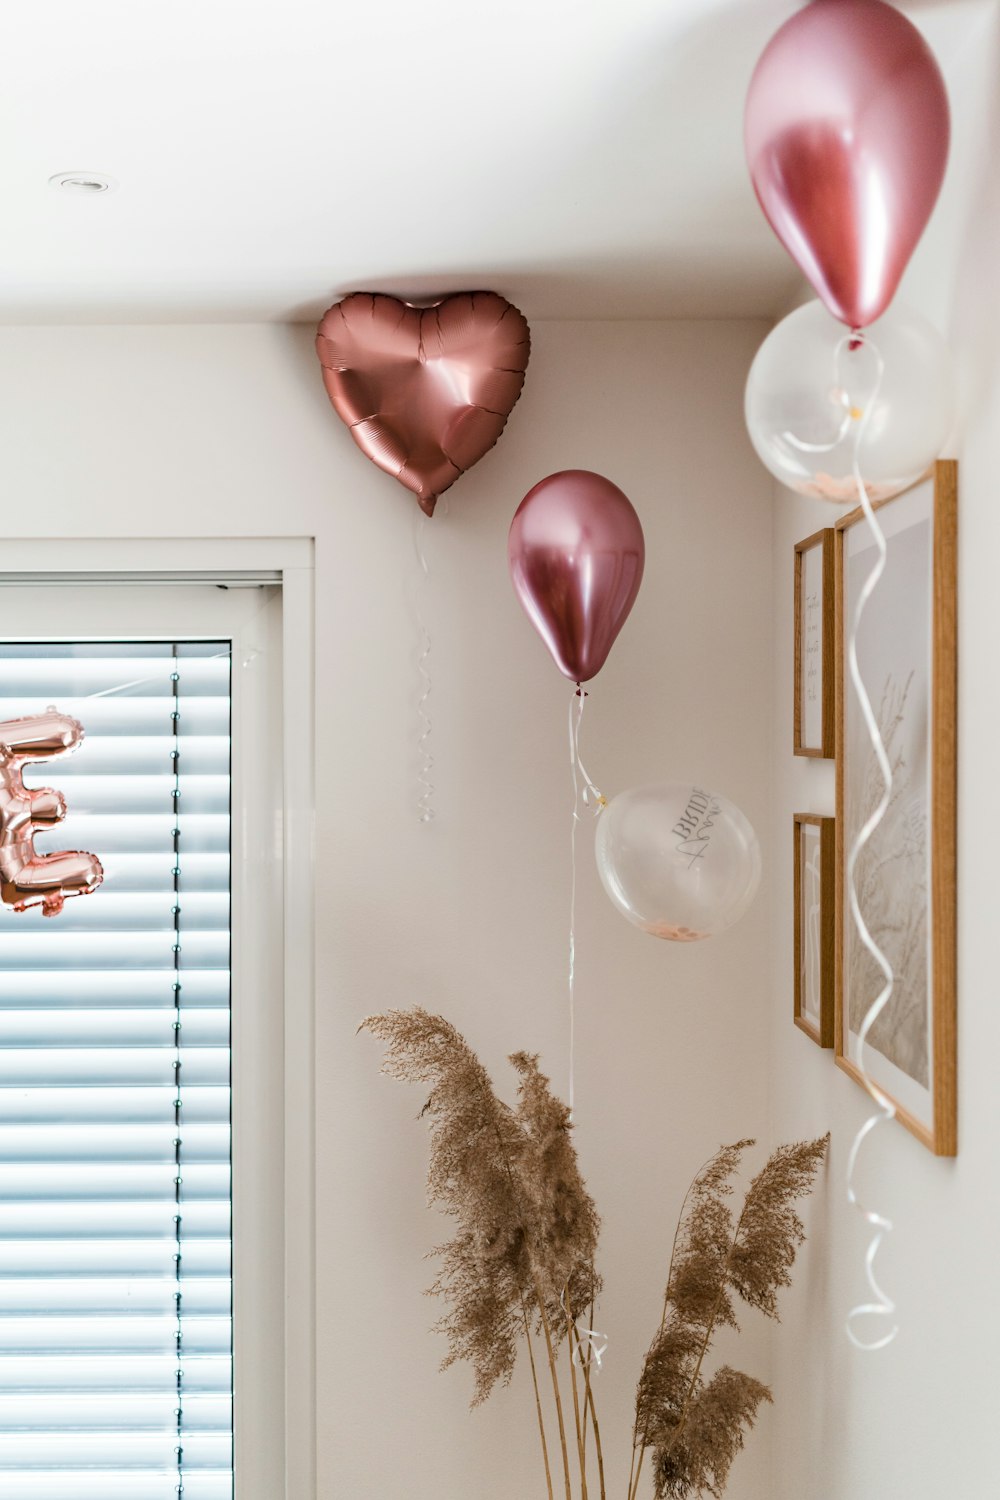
(846, 133)
(576, 554)
(425, 391)
(26, 878)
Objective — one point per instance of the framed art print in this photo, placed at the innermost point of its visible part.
(814, 631)
(905, 878)
(815, 926)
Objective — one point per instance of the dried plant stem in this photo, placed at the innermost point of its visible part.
(633, 1487)
(538, 1402)
(581, 1441)
(550, 1351)
(588, 1397)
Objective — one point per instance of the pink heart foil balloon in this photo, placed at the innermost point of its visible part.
(846, 133)
(576, 554)
(424, 391)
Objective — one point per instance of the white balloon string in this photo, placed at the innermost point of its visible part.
(425, 758)
(590, 797)
(881, 1304)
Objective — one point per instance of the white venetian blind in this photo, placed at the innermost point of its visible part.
(115, 1242)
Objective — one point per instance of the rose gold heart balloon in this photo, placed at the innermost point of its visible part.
(424, 391)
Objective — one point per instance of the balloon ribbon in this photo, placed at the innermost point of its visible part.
(881, 1304)
(425, 758)
(583, 790)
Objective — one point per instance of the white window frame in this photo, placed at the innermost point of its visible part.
(274, 1259)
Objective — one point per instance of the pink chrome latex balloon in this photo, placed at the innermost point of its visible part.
(424, 391)
(846, 132)
(576, 555)
(26, 878)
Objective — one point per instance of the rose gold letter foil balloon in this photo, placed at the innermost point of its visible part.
(26, 878)
(576, 554)
(811, 386)
(424, 391)
(846, 134)
(680, 862)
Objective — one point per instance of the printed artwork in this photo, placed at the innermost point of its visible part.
(814, 641)
(812, 646)
(809, 966)
(893, 872)
(815, 911)
(905, 873)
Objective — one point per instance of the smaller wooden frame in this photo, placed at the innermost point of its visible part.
(825, 935)
(822, 652)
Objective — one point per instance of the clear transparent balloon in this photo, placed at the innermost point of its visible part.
(814, 389)
(678, 861)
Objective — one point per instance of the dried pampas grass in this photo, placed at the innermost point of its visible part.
(520, 1265)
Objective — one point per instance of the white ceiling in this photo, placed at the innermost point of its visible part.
(583, 157)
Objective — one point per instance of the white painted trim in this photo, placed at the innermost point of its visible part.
(298, 720)
(136, 556)
(274, 1260)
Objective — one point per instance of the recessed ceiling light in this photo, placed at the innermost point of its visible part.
(83, 184)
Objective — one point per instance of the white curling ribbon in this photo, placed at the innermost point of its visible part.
(425, 759)
(597, 1343)
(591, 797)
(839, 397)
(880, 1305)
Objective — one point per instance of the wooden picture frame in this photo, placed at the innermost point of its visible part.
(907, 651)
(815, 885)
(814, 624)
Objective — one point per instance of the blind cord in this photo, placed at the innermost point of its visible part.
(175, 757)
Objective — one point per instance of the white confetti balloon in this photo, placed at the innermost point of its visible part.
(814, 390)
(678, 861)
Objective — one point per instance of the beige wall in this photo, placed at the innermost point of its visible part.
(917, 1419)
(225, 431)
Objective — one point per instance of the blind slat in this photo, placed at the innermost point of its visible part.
(101, 1294)
(94, 1484)
(130, 1373)
(99, 1143)
(108, 1183)
(44, 1411)
(67, 1256)
(116, 1028)
(105, 988)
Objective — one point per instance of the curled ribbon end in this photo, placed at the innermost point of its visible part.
(870, 1346)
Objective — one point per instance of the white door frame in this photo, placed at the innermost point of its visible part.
(286, 562)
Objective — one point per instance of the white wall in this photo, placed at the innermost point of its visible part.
(134, 431)
(917, 1419)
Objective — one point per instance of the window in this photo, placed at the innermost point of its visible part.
(255, 596)
(115, 1205)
